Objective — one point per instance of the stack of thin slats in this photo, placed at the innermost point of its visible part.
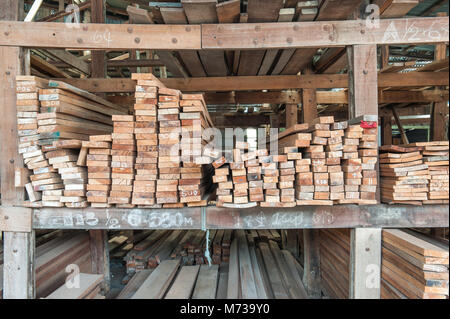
(414, 266)
(368, 151)
(66, 159)
(352, 164)
(145, 131)
(123, 158)
(334, 153)
(278, 174)
(435, 155)
(405, 177)
(44, 177)
(61, 121)
(98, 164)
(195, 178)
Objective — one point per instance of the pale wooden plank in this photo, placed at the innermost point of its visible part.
(184, 283)
(206, 285)
(233, 272)
(157, 283)
(247, 278)
(87, 282)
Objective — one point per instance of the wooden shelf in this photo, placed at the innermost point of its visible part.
(306, 217)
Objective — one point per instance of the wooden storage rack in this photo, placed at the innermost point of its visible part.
(361, 44)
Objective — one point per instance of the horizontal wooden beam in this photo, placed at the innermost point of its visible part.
(121, 63)
(323, 97)
(301, 217)
(252, 83)
(15, 219)
(324, 33)
(281, 97)
(100, 36)
(239, 36)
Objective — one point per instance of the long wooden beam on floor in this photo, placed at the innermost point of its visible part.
(223, 36)
(251, 83)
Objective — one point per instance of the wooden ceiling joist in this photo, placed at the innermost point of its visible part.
(204, 11)
(252, 83)
(190, 58)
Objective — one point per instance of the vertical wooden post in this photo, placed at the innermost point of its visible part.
(98, 65)
(99, 238)
(100, 256)
(439, 110)
(291, 115)
(18, 268)
(12, 63)
(309, 103)
(311, 263)
(363, 86)
(386, 130)
(365, 263)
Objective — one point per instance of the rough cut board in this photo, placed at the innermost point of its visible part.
(156, 284)
(184, 283)
(415, 244)
(87, 283)
(206, 285)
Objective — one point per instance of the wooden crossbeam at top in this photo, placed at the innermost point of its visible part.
(251, 83)
(224, 36)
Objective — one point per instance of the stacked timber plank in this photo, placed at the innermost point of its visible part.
(44, 177)
(145, 132)
(334, 161)
(405, 176)
(65, 114)
(98, 162)
(257, 268)
(88, 287)
(414, 266)
(435, 155)
(169, 161)
(52, 125)
(123, 152)
(320, 135)
(65, 158)
(360, 156)
(189, 246)
(196, 169)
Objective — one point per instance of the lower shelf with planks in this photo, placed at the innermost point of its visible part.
(244, 265)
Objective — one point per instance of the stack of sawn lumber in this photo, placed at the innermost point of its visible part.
(175, 153)
(254, 177)
(67, 115)
(196, 170)
(414, 266)
(435, 155)
(405, 176)
(190, 246)
(334, 161)
(98, 162)
(257, 268)
(44, 178)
